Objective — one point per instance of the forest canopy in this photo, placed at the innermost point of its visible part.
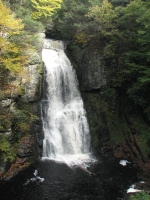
(11, 56)
(19, 20)
(119, 31)
(44, 8)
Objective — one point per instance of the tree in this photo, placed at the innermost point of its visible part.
(102, 18)
(8, 24)
(134, 26)
(11, 55)
(70, 19)
(121, 35)
(44, 8)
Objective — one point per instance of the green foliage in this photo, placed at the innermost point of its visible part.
(23, 118)
(18, 40)
(96, 117)
(5, 121)
(95, 2)
(7, 153)
(44, 8)
(140, 196)
(119, 130)
(11, 54)
(143, 135)
(121, 34)
(70, 19)
(103, 16)
(30, 25)
(21, 90)
(15, 41)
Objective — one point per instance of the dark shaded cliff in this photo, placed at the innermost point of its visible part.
(118, 126)
(108, 45)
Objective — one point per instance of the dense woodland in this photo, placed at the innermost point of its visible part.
(117, 30)
(120, 32)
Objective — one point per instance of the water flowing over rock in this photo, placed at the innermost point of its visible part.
(66, 130)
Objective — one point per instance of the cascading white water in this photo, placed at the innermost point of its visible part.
(66, 130)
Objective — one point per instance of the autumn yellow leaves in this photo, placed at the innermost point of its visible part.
(44, 8)
(13, 54)
(10, 57)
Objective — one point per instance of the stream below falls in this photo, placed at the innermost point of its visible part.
(47, 179)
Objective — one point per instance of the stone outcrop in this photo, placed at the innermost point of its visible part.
(93, 75)
(25, 156)
(32, 82)
(117, 125)
(19, 103)
(89, 66)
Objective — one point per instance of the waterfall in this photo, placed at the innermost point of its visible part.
(66, 130)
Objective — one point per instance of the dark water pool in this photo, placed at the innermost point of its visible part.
(109, 181)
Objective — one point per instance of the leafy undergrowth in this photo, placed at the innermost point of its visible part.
(140, 196)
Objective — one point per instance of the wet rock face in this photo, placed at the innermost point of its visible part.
(31, 83)
(89, 67)
(38, 129)
(93, 74)
(32, 87)
(4, 166)
(25, 147)
(25, 154)
(95, 110)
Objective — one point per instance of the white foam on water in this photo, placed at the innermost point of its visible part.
(123, 162)
(132, 189)
(36, 178)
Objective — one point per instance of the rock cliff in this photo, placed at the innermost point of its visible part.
(92, 70)
(20, 116)
(118, 127)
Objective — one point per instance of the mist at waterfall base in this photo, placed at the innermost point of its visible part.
(67, 170)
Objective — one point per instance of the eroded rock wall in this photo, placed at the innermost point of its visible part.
(93, 73)
(117, 125)
(20, 122)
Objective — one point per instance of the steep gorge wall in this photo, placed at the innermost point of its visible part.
(20, 117)
(117, 126)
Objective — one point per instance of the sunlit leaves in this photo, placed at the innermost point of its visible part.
(81, 38)
(103, 13)
(11, 54)
(44, 8)
(8, 24)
